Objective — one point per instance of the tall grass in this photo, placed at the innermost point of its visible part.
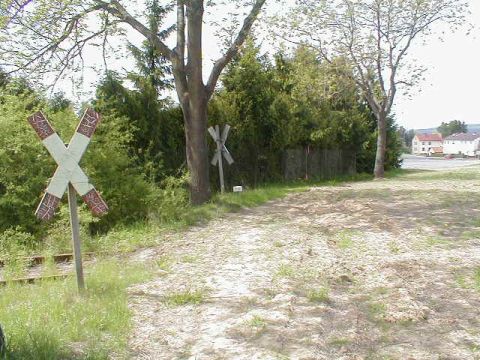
(50, 320)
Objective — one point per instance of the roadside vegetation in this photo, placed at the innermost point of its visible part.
(50, 320)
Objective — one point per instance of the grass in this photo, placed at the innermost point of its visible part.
(257, 322)
(432, 241)
(376, 311)
(50, 320)
(476, 279)
(185, 298)
(285, 271)
(344, 239)
(319, 295)
(339, 342)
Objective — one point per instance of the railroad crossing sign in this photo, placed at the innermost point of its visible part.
(67, 158)
(221, 151)
(69, 175)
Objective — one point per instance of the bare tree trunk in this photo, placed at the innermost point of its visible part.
(195, 119)
(379, 170)
(193, 98)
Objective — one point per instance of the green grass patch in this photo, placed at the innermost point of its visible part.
(50, 320)
(339, 342)
(257, 322)
(185, 298)
(476, 279)
(285, 271)
(319, 295)
(344, 239)
(376, 311)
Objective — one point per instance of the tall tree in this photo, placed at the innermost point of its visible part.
(50, 35)
(375, 36)
(452, 127)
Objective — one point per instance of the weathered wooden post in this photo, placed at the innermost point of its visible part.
(69, 174)
(3, 343)
(221, 151)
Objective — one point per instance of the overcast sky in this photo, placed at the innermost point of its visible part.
(450, 90)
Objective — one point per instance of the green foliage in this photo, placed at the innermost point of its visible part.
(157, 137)
(25, 165)
(298, 101)
(366, 157)
(452, 127)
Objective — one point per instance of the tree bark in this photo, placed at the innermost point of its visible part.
(193, 98)
(195, 118)
(379, 170)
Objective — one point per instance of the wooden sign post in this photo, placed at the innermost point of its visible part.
(69, 174)
(221, 152)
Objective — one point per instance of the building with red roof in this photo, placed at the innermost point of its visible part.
(427, 144)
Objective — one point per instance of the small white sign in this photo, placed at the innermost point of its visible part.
(237, 188)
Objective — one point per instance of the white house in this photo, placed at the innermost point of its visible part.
(462, 144)
(427, 144)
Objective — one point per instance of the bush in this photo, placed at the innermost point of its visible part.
(26, 166)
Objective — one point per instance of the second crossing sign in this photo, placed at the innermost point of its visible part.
(221, 151)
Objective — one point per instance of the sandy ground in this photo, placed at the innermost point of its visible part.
(369, 270)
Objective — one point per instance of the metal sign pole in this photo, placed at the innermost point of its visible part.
(74, 223)
(220, 160)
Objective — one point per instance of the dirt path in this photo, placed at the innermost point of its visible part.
(371, 270)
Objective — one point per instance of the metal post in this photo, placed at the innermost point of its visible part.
(72, 203)
(220, 160)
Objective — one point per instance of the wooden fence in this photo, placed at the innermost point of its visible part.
(311, 163)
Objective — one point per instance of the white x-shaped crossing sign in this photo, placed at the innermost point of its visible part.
(67, 158)
(221, 151)
(220, 139)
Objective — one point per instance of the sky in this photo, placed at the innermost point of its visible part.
(450, 90)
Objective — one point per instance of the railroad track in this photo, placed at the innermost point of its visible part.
(39, 260)
(33, 261)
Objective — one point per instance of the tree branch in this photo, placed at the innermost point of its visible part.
(116, 9)
(234, 48)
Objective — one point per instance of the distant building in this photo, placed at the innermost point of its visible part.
(427, 144)
(462, 144)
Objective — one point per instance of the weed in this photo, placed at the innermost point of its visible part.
(257, 322)
(285, 271)
(185, 298)
(319, 295)
(476, 279)
(344, 239)
(189, 259)
(376, 311)
(432, 241)
(394, 248)
(339, 342)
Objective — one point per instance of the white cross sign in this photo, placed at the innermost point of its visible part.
(220, 139)
(221, 150)
(67, 158)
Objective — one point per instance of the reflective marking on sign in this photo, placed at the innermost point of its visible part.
(95, 202)
(46, 208)
(89, 123)
(41, 125)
